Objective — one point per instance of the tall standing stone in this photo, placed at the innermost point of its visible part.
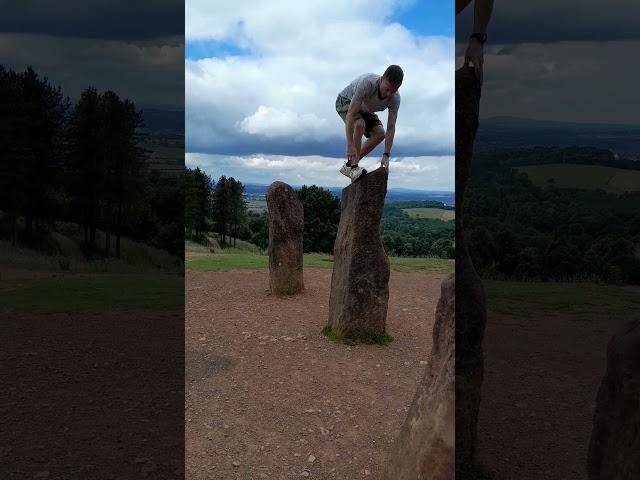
(471, 312)
(286, 224)
(360, 281)
(614, 452)
(425, 447)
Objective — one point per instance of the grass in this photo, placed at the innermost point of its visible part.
(240, 247)
(96, 292)
(580, 299)
(220, 262)
(191, 246)
(356, 338)
(436, 213)
(587, 177)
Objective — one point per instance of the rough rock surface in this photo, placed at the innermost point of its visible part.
(286, 224)
(471, 314)
(360, 280)
(614, 452)
(425, 447)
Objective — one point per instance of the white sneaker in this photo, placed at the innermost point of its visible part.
(355, 173)
(345, 170)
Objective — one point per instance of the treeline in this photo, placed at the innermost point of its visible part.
(405, 236)
(79, 163)
(402, 235)
(516, 230)
(214, 206)
(572, 155)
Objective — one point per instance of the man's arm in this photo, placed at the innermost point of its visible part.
(388, 138)
(481, 15)
(482, 10)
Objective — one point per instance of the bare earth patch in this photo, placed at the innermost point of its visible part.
(542, 374)
(269, 396)
(91, 395)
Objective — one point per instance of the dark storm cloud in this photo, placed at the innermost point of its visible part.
(334, 147)
(546, 21)
(145, 72)
(113, 19)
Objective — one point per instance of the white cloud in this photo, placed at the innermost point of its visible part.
(301, 58)
(273, 122)
(422, 173)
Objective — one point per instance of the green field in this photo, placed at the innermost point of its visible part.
(587, 177)
(94, 292)
(435, 213)
(231, 261)
(256, 204)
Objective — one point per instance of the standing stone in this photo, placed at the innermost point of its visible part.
(424, 449)
(360, 281)
(614, 452)
(286, 224)
(471, 312)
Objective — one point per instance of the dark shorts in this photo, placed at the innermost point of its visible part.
(371, 120)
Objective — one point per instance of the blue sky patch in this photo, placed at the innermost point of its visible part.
(427, 17)
(199, 49)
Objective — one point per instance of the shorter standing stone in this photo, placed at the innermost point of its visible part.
(614, 452)
(286, 224)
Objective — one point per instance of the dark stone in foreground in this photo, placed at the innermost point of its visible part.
(360, 280)
(471, 313)
(614, 452)
(425, 446)
(286, 223)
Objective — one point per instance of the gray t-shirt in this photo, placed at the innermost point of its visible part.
(365, 88)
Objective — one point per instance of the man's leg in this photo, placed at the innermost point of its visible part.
(376, 136)
(358, 131)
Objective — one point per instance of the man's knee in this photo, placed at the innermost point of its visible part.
(379, 134)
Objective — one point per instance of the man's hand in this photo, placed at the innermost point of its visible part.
(385, 162)
(475, 55)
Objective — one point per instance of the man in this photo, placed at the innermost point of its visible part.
(356, 105)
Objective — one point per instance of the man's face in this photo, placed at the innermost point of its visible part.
(387, 88)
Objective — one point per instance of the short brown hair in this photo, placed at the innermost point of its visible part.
(394, 74)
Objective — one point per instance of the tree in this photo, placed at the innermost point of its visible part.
(84, 162)
(46, 114)
(13, 138)
(238, 206)
(321, 218)
(222, 207)
(106, 166)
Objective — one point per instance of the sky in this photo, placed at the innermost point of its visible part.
(133, 48)
(262, 76)
(566, 61)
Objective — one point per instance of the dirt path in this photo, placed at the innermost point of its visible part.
(91, 395)
(268, 396)
(542, 375)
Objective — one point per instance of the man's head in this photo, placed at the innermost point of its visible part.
(391, 81)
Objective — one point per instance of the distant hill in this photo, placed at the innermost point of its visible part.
(163, 119)
(393, 194)
(523, 132)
